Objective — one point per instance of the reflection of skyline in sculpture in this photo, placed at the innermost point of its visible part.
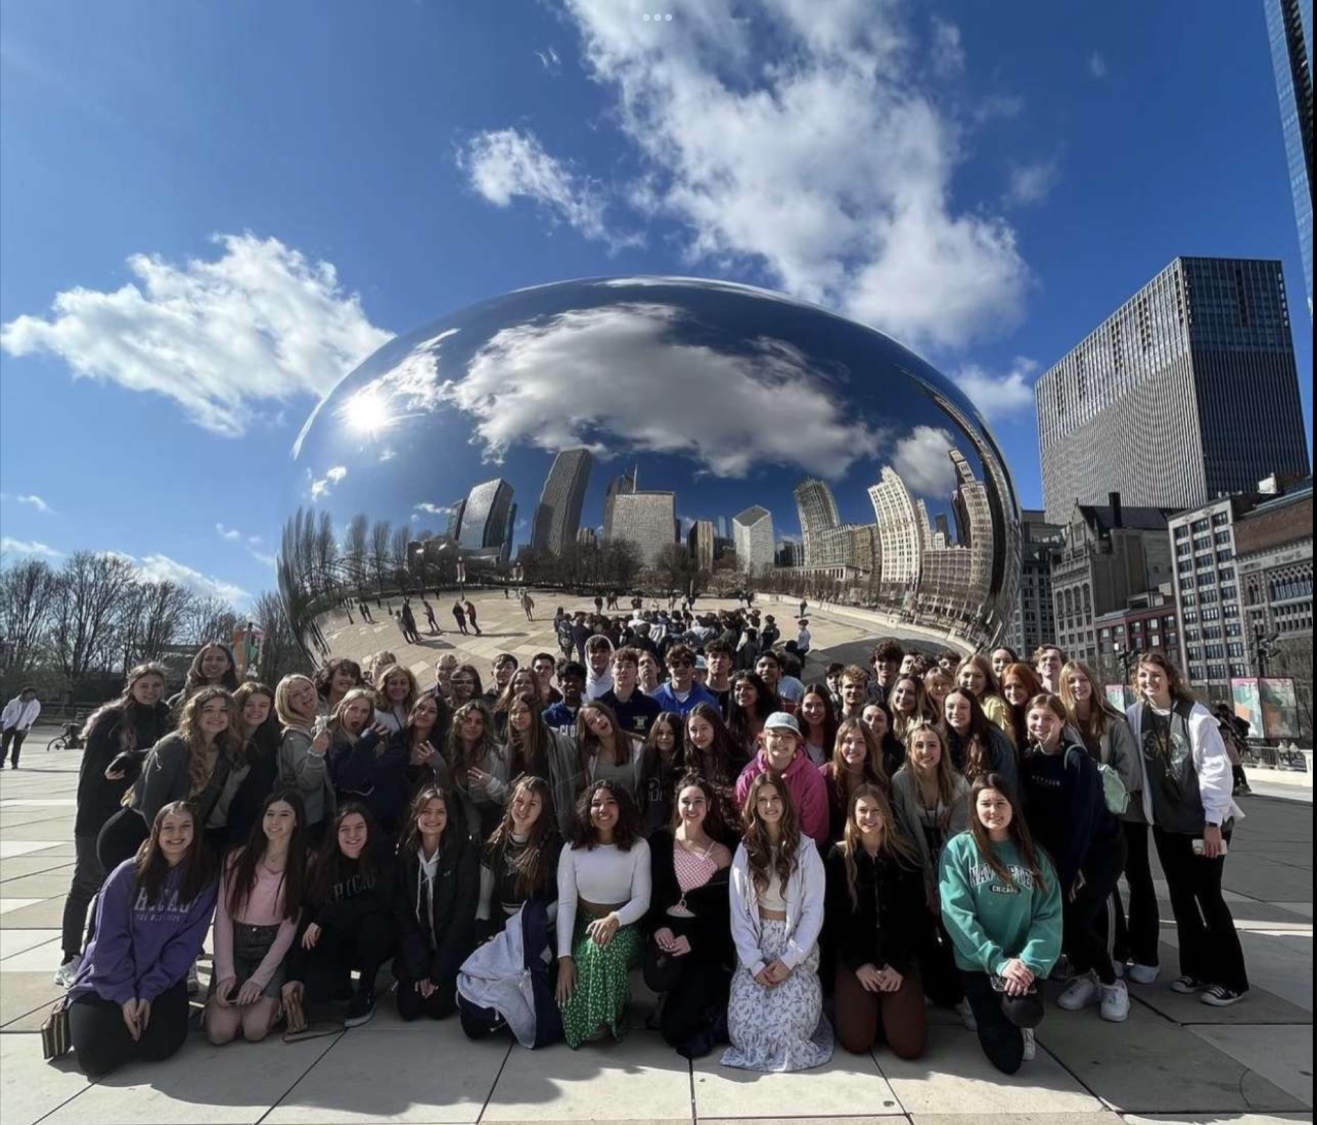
(752, 531)
(641, 413)
(558, 518)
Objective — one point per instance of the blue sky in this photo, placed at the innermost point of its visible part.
(211, 211)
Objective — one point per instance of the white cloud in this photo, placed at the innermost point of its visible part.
(229, 533)
(995, 106)
(806, 140)
(553, 383)
(1032, 182)
(948, 51)
(9, 546)
(322, 487)
(161, 568)
(34, 501)
(922, 462)
(549, 60)
(999, 397)
(225, 339)
(433, 509)
(1097, 65)
(505, 164)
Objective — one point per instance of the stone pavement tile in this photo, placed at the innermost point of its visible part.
(955, 1077)
(12, 849)
(199, 1085)
(972, 1117)
(20, 818)
(639, 1079)
(1261, 1006)
(20, 941)
(9, 905)
(849, 1084)
(1281, 1054)
(1279, 965)
(23, 995)
(1147, 1065)
(46, 884)
(45, 957)
(20, 867)
(58, 831)
(391, 1075)
(30, 1087)
(1217, 1119)
(1259, 875)
(1301, 908)
(39, 915)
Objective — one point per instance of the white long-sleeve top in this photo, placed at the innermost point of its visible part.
(19, 715)
(804, 897)
(602, 875)
(1211, 763)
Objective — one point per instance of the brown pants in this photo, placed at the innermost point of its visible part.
(899, 1016)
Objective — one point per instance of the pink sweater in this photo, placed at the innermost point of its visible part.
(807, 789)
(264, 907)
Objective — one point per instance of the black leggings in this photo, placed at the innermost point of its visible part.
(1209, 946)
(1000, 1018)
(695, 994)
(101, 1042)
(1138, 928)
(88, 875)
(120, 837)
(937, 966)
(441, 1003)
(327, 969)
(1085, 918)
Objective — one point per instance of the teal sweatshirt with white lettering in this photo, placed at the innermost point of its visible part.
(992, 922)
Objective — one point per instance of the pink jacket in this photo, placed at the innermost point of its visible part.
(806, 786)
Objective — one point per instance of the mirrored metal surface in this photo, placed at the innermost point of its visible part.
(652, 433)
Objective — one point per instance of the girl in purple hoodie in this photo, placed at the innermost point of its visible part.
(129, 999)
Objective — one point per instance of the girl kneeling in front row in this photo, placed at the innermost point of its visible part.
(438, 888)
(877, 910)
(775, 1016)
(129, 1000)
(603, 892)
(1001, 905)
(259, 903)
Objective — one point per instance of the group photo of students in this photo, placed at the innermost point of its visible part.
(786, 864)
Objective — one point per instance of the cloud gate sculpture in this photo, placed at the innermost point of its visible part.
(652, 433)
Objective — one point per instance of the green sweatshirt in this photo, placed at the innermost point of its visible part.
(991, 923)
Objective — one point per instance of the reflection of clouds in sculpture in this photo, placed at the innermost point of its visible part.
(567, 382)
(921, 459)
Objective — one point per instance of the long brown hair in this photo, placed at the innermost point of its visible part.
(126, 709)
(1101, 714)
(193, 681)
(1179, 686)
(873, 772)
(1018, 830)
(241, 878)
(536, 861)
(153, 869)
(714, 825)
(719, 765)
(891, 838)
(945, 769)
(755, 839)
(411, 834)
(229, 743)
(526, 752)
(459, 759)
(977, 742)
(628, 829)
(589, 744)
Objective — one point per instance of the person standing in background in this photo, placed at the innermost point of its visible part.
(19, 715)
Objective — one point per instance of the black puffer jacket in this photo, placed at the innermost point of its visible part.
(452, 908)
(99, 798)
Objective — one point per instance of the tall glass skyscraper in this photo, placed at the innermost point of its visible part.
(1187, 391)
(558, 518)
(1289, 28)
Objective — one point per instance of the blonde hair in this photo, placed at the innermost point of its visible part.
(382, 678)
(350, 697)
(228, 742)
(1100, 712)
(946, 771)
(282, 708)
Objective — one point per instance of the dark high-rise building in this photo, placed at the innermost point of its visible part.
(558, 517)
(487, 519)
(1289, 28)
(1187, 391)
(1041, 546)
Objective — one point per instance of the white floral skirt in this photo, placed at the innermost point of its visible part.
(783, 1027)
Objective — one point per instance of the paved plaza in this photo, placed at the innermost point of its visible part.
(1175, 1060)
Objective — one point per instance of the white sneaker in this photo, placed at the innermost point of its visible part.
(1144, 974)
(1115, 1002)
(67, 973)
(1030, 1044)
(966, 1014)
(1080, 993)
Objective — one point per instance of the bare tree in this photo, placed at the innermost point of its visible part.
(326, 554)
(380, 533)
(356, 548)
(89, 591)
(26, 590)
(280, 653)
(209, 619)
(398, 554)
(151, 616)
(674, 568)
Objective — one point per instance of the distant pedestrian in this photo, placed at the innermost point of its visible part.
(430, 618)
(408, 619)
(528, 604)
(471, 615)
(19, 715)
(459, 615)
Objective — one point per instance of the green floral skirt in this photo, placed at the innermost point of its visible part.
(603, 989)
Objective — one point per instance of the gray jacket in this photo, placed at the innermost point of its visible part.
(308, 773)
(1122, 754)
(166, 777)
(905, 805)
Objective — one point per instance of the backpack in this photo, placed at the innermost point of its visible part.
(1115, 796)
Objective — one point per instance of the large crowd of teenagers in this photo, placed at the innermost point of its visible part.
(788, 864)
